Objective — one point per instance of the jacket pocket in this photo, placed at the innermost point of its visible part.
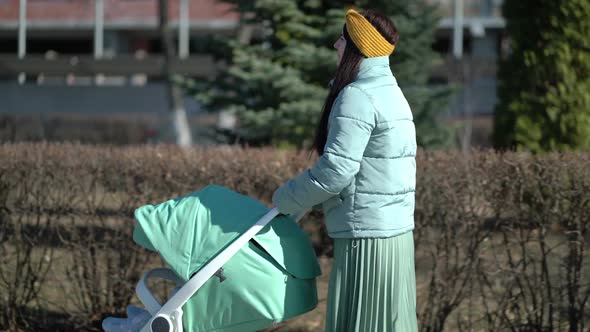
(332, 203)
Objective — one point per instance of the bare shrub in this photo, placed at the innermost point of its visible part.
(501, 238)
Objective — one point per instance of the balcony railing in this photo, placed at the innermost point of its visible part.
(473, 8)
(10, 66)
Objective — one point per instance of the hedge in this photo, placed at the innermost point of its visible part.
(501, 238)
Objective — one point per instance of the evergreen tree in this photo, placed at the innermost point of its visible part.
(276, 83)
(545, 82)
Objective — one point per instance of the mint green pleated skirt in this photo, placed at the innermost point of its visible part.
(373, 286)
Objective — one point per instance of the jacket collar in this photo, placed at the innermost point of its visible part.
(371, 67)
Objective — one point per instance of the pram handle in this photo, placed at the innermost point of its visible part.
(152, 305)
(175, 303)
(300, 215)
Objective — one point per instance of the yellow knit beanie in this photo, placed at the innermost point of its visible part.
(364, 35)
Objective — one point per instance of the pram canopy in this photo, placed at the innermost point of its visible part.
(269, 280)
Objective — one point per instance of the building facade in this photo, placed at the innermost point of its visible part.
(88, 44)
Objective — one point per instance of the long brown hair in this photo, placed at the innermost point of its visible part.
(348, 69)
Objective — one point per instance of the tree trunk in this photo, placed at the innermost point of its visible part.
(173, 92)
(467, 103)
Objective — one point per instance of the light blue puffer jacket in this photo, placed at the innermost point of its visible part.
(366, 178)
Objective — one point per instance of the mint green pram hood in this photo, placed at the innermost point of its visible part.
(269, 280)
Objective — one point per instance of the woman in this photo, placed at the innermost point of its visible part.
(365, 182)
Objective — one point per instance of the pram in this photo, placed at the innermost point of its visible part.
(238, 265)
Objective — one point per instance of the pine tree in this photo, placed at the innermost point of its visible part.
(545, 82)
(277, 82)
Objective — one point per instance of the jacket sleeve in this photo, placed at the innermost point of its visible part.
(351, 123)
